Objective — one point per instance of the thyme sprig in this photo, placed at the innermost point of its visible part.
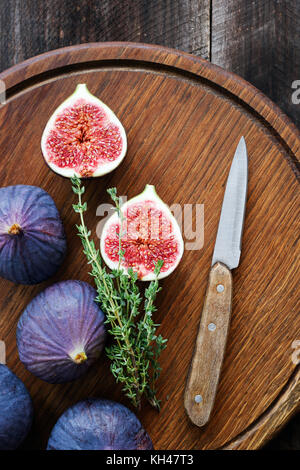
(136, 348)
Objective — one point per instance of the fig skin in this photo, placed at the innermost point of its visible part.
(61, 332)
(32, 238)
(16, 410)
(96, 424)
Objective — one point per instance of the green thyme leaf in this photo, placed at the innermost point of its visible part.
(136, 348)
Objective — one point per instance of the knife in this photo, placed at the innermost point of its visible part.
(210, 346)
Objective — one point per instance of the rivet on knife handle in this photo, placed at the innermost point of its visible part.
(210, 347)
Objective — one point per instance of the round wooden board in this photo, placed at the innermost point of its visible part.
(184, 118)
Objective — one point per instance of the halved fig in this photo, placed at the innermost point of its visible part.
(83, 137)
(149, 233)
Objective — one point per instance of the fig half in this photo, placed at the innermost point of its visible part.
(83, 137)
(149, 233)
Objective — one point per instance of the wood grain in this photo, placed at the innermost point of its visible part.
(204, 373)
(286, 56)
(269, 424)
(260, 42)
(36, 26)
(184, 118)
(257, 40)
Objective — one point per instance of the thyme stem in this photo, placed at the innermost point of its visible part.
(134, 354)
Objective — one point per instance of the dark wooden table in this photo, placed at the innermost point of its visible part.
(258, 40)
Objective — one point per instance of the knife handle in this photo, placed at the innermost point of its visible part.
(210, 347)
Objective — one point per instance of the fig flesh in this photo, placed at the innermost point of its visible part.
(96, 424)
(149, 233)
(61, 332)
(32, 239)
(16, 410)
(83, 137)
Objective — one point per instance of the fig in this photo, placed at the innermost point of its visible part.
(95, 424)
(83, 137)
(32, 239)
(149, 233)
(16, 410)
(61, 332)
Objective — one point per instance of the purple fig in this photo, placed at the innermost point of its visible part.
(32, 238)
(16, 410)
(61, 332)
(96, 424)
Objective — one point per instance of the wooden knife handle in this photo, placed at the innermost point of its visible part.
(210, 347)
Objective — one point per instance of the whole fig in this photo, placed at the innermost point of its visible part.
(16, 410)
(32, 239)
(61, 332)
(95, 424)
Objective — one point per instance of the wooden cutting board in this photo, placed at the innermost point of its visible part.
(184, 118)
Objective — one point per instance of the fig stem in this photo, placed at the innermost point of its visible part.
(15, 229)
(78, 357)
(136, 348)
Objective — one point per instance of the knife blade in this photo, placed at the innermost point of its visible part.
(211, 341)
(229, 237)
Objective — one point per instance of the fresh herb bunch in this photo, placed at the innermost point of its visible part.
(136, 349)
